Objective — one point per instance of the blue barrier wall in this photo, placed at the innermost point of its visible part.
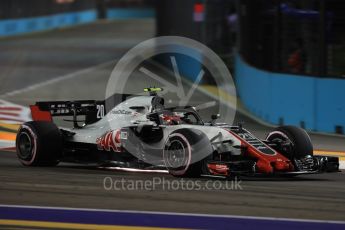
(125, 13)
(319, 103)
(26, 25)
(18, 26)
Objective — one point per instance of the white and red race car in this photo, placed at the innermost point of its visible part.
(140, 132)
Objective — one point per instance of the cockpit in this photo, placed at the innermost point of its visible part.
(175, 116)
(172, 116)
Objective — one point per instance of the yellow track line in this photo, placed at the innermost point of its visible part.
(59, 225)
(220, 93)
(339, 154)
(13, 127)
(7, 136)
(329, 152)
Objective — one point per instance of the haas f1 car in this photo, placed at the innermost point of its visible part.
(139, 132)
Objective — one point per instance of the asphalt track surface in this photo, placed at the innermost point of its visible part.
(65, 54)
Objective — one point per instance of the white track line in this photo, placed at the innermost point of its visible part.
(58, 79)
(26, 112)
(173, 213)
(4, 144)
(341, 164)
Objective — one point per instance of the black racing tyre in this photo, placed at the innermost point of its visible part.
(39, 143)
(184, 152)
(293, 142)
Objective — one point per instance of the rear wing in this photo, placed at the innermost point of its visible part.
(93, 110)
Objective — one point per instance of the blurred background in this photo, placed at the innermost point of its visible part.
(287, 60)
(286, 56)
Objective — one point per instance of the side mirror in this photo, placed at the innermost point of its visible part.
(215, 116)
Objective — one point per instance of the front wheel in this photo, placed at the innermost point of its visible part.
(184, 152)
(293, 142)
(39, 143)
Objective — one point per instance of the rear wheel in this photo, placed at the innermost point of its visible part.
(39, 143)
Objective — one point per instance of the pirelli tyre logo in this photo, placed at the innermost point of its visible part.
(111, 141)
